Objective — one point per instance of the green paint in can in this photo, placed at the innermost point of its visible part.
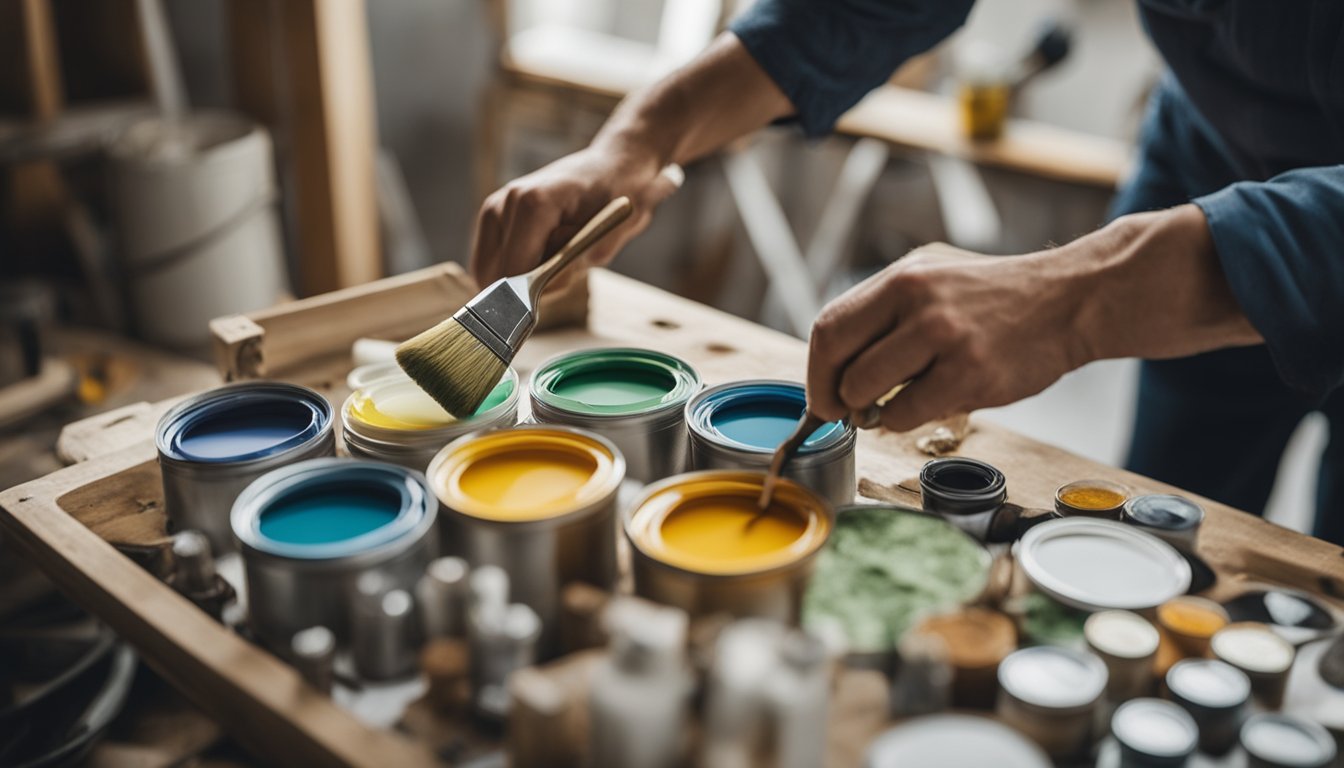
(614, 382)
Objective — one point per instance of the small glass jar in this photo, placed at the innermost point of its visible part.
(1091, 498)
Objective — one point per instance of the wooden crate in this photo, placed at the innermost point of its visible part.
(68, 521)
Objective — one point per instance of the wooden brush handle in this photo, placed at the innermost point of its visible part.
(598, 227)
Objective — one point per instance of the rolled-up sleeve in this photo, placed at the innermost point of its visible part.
(826, 54)
(1281, 246)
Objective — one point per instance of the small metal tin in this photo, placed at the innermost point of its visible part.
(1174, 519)
(1284, 741)
(635, 398)
(1050, 693)
(382, 630)
(441, 596)
(1264, 656)
(739, 425)
(294, 584)
(1215, 695)
(417, 427)
(1127, 643)
(1108, 511)
(966, 492)
(313, 653)
(213, 445)
(542, 546)
(1153, 733)
(767, 584)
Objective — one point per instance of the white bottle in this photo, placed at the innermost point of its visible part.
(638, 700)
(798, 696)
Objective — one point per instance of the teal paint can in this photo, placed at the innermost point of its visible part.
(310, 530)
(740, 424)
(634, 397)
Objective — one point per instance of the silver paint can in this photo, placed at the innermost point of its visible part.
(309, 531)
(213, 445)
(539, 501)
(740, 424)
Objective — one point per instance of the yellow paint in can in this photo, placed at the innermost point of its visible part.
(523, 474)
(705, 525)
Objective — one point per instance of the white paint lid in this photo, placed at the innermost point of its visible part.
(1209, 683)
(1253, 647)
(954, 741)
(1097, 565)
(1288, 741)
(1122, 634)
(1053, 677)
(1155, 728)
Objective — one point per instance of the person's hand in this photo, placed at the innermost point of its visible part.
(531, 217)
(970, 331)
(966, 330)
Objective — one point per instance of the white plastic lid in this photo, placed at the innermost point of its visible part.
(1053, 677)
(1155, 728)
(1254, 648)
(1123, 634)
(1209, 683)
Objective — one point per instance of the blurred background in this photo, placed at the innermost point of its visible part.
(164, 163)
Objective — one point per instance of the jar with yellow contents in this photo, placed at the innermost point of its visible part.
(393, 420)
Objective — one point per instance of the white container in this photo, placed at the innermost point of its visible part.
(195, 213)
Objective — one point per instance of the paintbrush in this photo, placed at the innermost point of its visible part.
(866, 419)
(459, 361)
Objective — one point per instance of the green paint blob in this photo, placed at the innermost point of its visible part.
(497, 395)
(329, 515)
(615, 382)
(614, 386)
(883, 569)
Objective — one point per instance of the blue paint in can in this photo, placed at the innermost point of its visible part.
(759, 416)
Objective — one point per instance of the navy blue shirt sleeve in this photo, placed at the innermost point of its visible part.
(1279, 243)
(825, 55)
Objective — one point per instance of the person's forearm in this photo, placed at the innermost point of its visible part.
(720, 96)
(1155, 289)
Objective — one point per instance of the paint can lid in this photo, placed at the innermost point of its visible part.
(614, 382)
(242, 422)
(1053, 677)
(1253, 647)
(1209, 683)
(756, 416)
(1163, 511)
(954, 741)
(1155, 729)
(1287, 741)
(1122, 634)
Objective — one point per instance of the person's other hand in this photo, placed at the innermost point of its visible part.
(531, 217)
(968, 331)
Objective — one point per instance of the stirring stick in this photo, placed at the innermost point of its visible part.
(866, 419)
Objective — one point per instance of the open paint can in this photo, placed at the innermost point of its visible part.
(393, 420)
(309, 531)
(538, 501)
(213, 445)
(739, 426)
(634, 397)
(698, 544)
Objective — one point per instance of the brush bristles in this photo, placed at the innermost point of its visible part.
(452, 366)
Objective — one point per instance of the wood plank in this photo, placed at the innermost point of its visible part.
(45, 90)
(257, 699)
(333, 142)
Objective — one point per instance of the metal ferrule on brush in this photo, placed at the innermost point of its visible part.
(501, 317)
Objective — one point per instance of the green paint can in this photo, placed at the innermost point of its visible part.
(633, 397)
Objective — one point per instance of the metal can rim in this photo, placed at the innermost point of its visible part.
(599, 502)
(629, 513)
(699, 412)
(687, 383)
(187, 412)
(416, 516)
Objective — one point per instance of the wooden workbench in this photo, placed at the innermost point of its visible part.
(267, 708)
